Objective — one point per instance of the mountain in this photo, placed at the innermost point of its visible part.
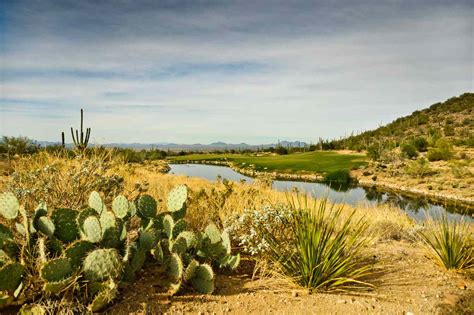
(453, 119)
(219, 145)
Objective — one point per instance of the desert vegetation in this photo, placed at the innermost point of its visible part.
(80, 231)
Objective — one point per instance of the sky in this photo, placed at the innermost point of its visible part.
(234, 71)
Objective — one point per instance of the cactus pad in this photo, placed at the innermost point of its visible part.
(157, 252)
(175, 268)
(190, 271)
(56, 287)
(96, 202)
(103, 297)
(65, 222)
(91, 229)
(190, 237)
(84, 214)
(120, 207)
(204, 272)
(177, 198)
(179, 226)
(45, 225)
(230, 262)
(9, 206)
(138, 260)
(146, 205)
(203, 286)
(226, 242)
(168, 225)
(147, 240)
(102, 264)
(56, 270)
(212, 232)
(10, 276)
(77, 251)
(178, 246)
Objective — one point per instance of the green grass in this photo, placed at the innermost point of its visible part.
(308, 162)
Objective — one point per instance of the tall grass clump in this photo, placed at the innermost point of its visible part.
(324, 249)
(449, 243)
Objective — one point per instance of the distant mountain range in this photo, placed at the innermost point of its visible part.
(191, 147)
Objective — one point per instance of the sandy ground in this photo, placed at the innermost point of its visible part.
(410, 284)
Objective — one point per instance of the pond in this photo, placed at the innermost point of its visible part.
(416, 208)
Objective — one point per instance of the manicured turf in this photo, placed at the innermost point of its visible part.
(308, 162)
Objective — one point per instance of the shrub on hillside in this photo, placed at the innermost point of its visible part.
(418, 168)
(409, 150)
(375, 151)
(442, 150)
(421, 144)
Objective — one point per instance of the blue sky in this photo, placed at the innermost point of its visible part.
(234, 71)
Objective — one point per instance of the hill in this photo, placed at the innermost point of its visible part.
(453, 119)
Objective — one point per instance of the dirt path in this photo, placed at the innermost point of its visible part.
(410, 284)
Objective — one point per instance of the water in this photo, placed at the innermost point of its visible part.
(416, 208)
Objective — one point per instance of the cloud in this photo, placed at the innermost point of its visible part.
(191, 72)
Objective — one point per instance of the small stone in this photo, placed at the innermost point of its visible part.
(341, 301)
(461, 285)
(294, 293)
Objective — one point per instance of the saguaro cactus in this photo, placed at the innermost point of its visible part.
(81, 141)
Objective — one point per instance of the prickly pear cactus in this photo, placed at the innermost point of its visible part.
(120, 207)
(45, 225)
(77, 251)
(9, 206)
(102, 264)
(175, 268)
(96, 202)
(203, 280)
(177, 201)
(65, 222)
(146, 206)
(56, 269)
(91, 230)
(10, 276)
(106, 295)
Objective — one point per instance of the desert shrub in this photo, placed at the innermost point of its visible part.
(448, 130)
(409, 150)
(459, 168)
(418, 168)
(421, 144)
(449, 243)
(375, 151)
(17, 146)
(84, 257)
(340, 176)
(281, 150)
(247, 228)
(470, 141)
(421, 119)
(62, 180)
(323, 250)
(442, 150)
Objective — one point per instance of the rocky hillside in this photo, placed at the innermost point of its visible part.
(453, 119)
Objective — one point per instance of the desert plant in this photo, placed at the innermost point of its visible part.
(449, 243)
(442, 150)
(81, 140)
(421, 144)
(418, 168)
(11, 146)
(84, 256)
(324, 251)
(409, 150)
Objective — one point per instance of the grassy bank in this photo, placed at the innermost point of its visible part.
(298, 163)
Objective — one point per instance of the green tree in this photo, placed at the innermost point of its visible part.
(17, 145)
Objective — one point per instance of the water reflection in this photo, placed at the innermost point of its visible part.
(416, 207)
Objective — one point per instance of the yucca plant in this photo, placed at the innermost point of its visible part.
(324, 248)
(449, 243)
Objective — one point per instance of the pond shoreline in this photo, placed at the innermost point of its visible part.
(316, 178)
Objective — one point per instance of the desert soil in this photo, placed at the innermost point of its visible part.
(410, 283)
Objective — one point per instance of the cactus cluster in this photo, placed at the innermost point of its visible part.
(94, 250)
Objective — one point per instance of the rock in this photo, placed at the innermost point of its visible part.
(294, 293)
(341, 301)
(409, 313)
(462, 285)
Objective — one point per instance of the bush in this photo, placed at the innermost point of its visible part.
(449, 243)
(418, 168)
(448, 130)
(281, 150)
(18, 145)
(375, 151)
(442, 150)
(340, 177)
(409, 150)
(320, 252)
(421, 144)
